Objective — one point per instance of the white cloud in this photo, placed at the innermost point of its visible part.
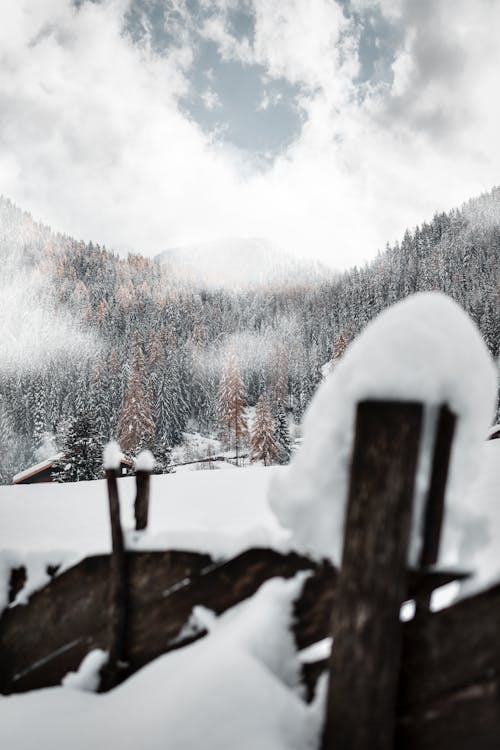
(92, 139)
(211, 99)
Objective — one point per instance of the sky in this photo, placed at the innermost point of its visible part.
(326, 127)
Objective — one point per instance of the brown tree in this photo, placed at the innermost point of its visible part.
(263, 446)
(232, 404)
(136, 426)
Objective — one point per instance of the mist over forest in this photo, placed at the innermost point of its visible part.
(85, 327)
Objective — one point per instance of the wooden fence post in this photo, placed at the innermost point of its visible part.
(364, 666)
(141, 505)
(434, 509)
(110, 674)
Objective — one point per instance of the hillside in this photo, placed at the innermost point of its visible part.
(77, 317)
(239, 264)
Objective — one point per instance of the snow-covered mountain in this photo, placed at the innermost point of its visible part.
(239, 264)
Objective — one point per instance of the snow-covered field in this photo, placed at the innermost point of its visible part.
(219, 512)
(239, 686)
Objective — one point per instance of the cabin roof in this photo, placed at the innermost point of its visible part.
(494, 432)
(47, 463)
(36, 468)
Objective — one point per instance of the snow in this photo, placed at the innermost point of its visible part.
(236, 688)
(317, 651)
(422, 349)
(87, 676)
(218, 512)
(112, 455)
(145, 461)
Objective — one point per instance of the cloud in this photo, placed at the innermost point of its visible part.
(94, 141)
(211, 99)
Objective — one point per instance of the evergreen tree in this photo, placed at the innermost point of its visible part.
(82, 449)
(282, 433)
(7, 445)
(263, 445)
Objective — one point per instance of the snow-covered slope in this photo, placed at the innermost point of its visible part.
(239, 264)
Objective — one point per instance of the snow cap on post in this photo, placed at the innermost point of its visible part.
(112, 456)
(145, 461)
(424, 349)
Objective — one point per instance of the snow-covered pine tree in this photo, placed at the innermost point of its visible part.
(163, 456)
(136, 425)
(38, 413)
(232, 404)
(282, 433)
(82, 449)
(7, 444)
(263, 445)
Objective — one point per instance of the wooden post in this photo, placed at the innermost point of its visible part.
(434, 509)
(364, 666)
(110, 675)
(141, 505)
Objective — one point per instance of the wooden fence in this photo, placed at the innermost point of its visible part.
(430, 683)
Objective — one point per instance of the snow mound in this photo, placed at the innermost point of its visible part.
(145, 461)
(112, 455)
(235, 688)
(425, 349)
(87, 676)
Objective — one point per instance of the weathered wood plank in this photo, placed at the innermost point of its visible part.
(141, 504)
(462, 720)
(441, 653)
(434, 509)
(72, 609)
(364, 667)
(452, 648)
(118, 591)
(42, 641)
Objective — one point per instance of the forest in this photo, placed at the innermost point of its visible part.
(122, 348)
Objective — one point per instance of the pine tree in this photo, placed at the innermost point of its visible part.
(282, 433)
(263, 445)
(82, 449)
(7, 444)
(39, 414)
(232, 404)
(136, 425)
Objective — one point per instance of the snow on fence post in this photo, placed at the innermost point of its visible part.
(434, 509)
(110, 673)
(365, 661)
(144, 465)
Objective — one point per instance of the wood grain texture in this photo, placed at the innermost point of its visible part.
(364, 667)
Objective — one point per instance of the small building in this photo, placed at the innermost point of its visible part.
(494, 433)
(44, 470)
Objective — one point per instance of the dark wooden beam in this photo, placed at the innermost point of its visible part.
(365, 662)
(141, 505)
(116, 664)
(434, 507)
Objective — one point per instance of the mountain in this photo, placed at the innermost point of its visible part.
(239, 264)
(77, 322)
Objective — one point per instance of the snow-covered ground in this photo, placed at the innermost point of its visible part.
(239, 687)
(236, 688)
(219, 512)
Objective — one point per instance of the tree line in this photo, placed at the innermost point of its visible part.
(163, 355)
